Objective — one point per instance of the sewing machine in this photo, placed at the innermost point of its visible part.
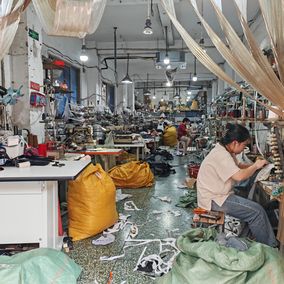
(127, 138)
(14, 145)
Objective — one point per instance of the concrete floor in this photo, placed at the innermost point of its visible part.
(150, 226)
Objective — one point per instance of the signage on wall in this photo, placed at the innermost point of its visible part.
(34, 86)
(37, 99)
(33, 34)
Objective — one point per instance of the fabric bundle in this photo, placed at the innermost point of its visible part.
(258, 73)
(10, 14)
(70, 17)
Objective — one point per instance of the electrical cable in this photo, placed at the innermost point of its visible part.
(152, 10)
(70, 60)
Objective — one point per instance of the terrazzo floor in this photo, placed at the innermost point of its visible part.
(150, 227)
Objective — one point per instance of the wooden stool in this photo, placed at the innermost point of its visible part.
(210, 219)
(182, 147)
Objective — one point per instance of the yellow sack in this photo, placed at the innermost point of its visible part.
(132, 175)
(170, 136)
(91, 203)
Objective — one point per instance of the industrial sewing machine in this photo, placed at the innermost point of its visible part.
(127, 138)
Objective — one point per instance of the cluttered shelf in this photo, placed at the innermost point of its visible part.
(242, 119)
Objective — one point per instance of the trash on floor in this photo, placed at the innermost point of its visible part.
(157, 212)
(104, 240)
(130, 206)
(153, 265)
(182, 186)
(133, 231)
(121, 196)
(175, 212)
(164, 198)
(156, 265)
(119, 225)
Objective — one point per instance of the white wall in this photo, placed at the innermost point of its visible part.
(35, 73)
(69, 50)
(17, 68)
(24, 64)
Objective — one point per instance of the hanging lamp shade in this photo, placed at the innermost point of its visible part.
(84, 56)
(146, 91)
(166, 59)
(148, 25)
(127, 79)
(194, 78)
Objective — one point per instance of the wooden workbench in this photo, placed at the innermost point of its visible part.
(106, 154)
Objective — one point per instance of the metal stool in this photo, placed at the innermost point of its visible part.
(182, 147)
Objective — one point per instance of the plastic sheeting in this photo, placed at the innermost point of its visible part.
(70, 17)
(91, 203)
(202, 258)
(132, 175)
(42, 266)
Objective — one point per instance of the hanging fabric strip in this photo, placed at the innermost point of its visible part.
(10, 13)
(273, 14)
(203, 57)
(242, 5)
(218, 3)
(64, 20)
(252, 72)
(237, 56)
(257, 52)
(69, 17)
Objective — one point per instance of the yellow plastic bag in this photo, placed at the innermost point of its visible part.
(132, 175)
(91, 203)
(170, 136)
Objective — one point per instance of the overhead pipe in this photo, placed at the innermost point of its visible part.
(123, 57)
(115, 55)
